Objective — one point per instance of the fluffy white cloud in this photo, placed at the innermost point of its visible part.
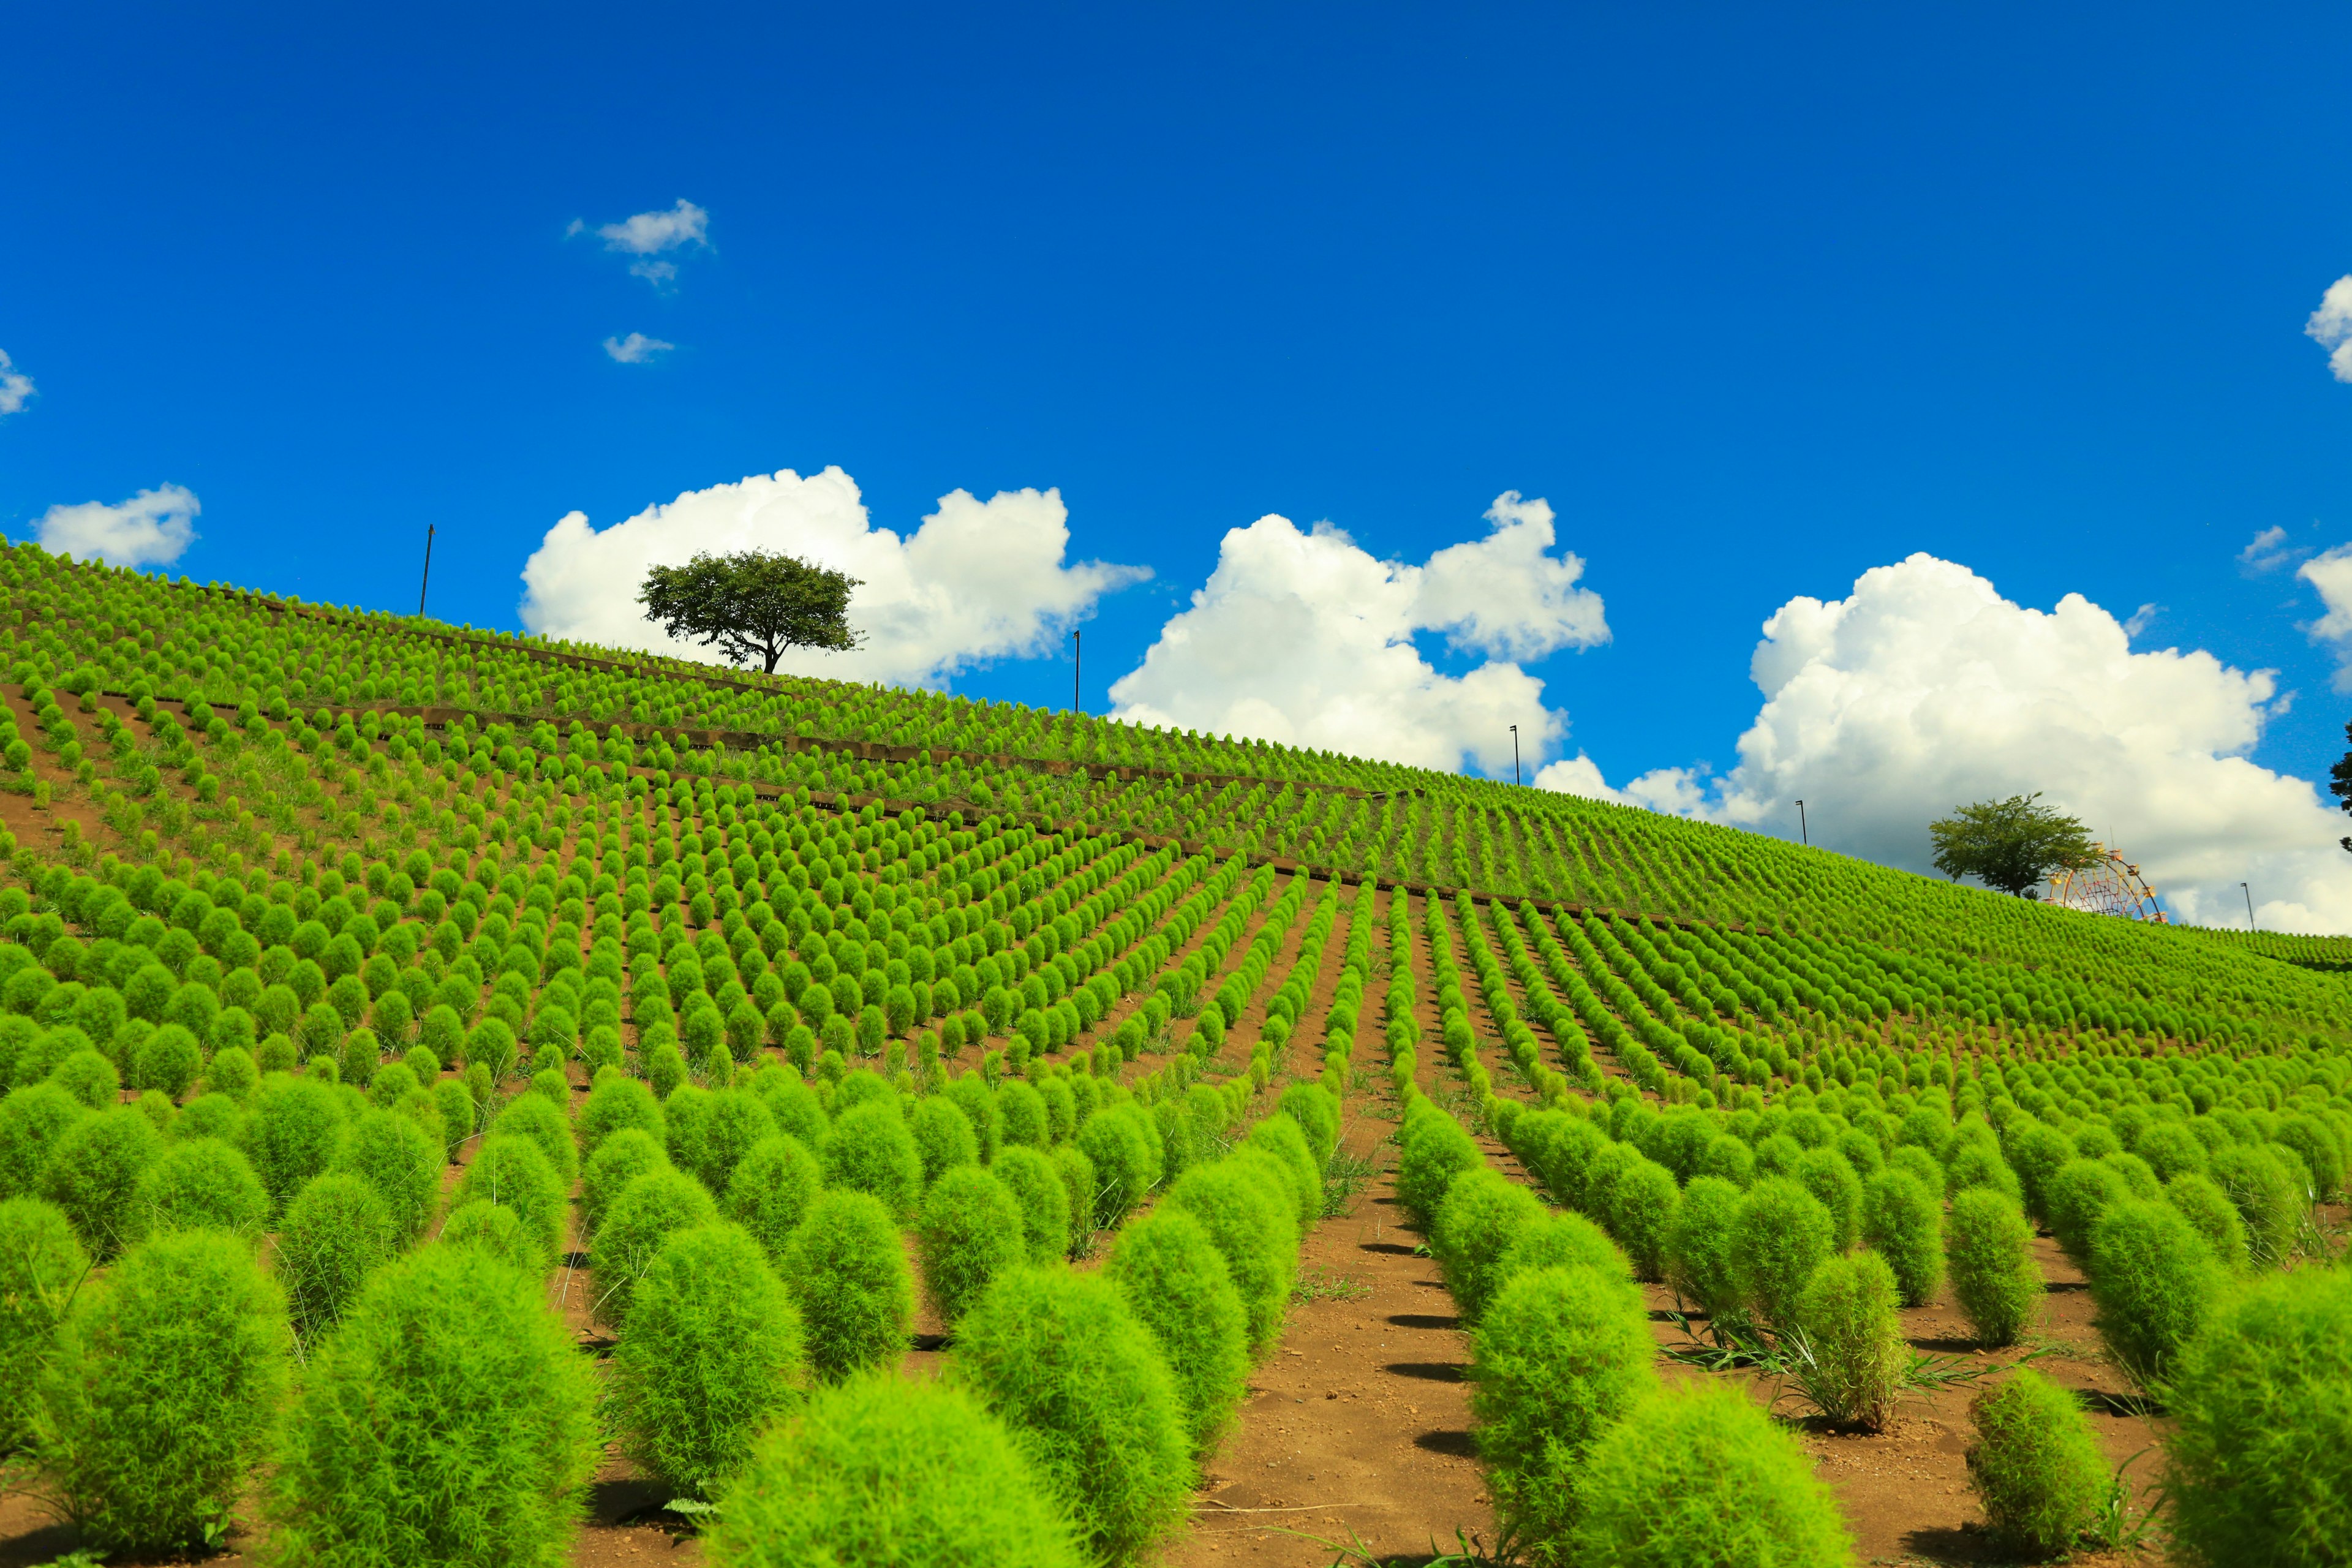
(636, 349)
(979, 581)
(1304, 638)
(646, 236)
(151, 529)
(2330, 573)
(1924, 689)
(16, 387)
(2331, 326)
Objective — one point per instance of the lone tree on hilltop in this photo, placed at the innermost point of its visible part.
(2010, 843)
(2339, 783)
(752, 605)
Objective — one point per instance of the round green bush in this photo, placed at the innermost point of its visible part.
(1023, 1111)
(1827, 1174)
(1124, 1152)
(616, 1103)
(31, 1122)
(869, 1150)
(1433, 1149)
(1248, 1219)
(232, 1072)
(1853, 1357)
(510, 1169)
(2155, 1281)
(400, 1161)
(1060, 1358)
(1564, 1240)
(847, 1272)
(160, 1391)
(2075, 1197)
(654, 1205)
(943, 1137)
(1782, 1233)
(1698, 1474)
(886, 1473)
(1316, 1110)
(1702, 1254)
(94, 1172)
(1484, 1213)
(454, 1102)
(2261, 1444)
(450, 1420)
(89, 1077)
(970, 1232)
(197, 1182)
(712, 1355)
(2209, 1210)
(2036, 1465)
(1643, 1202)
(169, 1059)
(495, 1229)
(772, 1188)
(337, 1231)
(534, 1117)
(1560, 1355)
(291, 1128)
(620, 1159)
(1903, 1222)
(1989, 1253)
(1284, 1139)
(41, 1265)
(1031, 1177)
(1176, 1283)
(2270, 1199)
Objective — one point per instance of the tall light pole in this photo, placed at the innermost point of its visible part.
(2249, 907)
(1078, 651)
(1515, 753)
(428, 580)
(1803, 831)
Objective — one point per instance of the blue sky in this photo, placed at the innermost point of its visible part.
(1757, 300)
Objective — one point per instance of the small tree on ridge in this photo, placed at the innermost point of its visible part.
(2010, 843)
(754, 604)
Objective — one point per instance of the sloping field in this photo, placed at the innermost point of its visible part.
(472, 1084)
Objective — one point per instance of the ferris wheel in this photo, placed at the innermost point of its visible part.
(2109, 885)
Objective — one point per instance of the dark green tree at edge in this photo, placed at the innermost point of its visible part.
(2009, 845)
(753, 605)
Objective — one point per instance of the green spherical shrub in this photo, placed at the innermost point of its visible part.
(210, 1116)
(532, 1116)
(943, 1137)
(42, 1263)
(1561, 1354)
(1036, 1187)
(198, 1183)
(2036, 1465)
(652, 1206)
(1727, 1158)
(1023, 1110)
(160, 1391)
(1433, 1149)
(1904, 1223)
(454, 1102)
(616, 1103)
(1852, 1357)
(337, 1232)
(712, 1139)
(1316, 1110)
(1782, 1233)
(968, 1233)
(1176, 1283)
(1642, 1201)
(292, 1126)
(496, 1229)
(1284, 1139)
(620, 1159)
(1564, 1240)
(712, 1355)
(771, 1191)
(2075, 1198)
(1976, 1165)
(31, 1122)
(1484, 1213)
(2270, 1199)
(94, 1173)
(89, 1077)
(2155, 1282)
(443, 1033)
(401, 1162)
(1078, 1181)
(1698, 1474)
(1247, 1216)
(510, 1169)
(2209, 1210)
(450, 1420)
(1989, 1253)
(1059, 1356)
(847, 1270)
(169, 1059)
(881, 1472)
(2260, 1449)
(1702, 1255)
(1123, 1150)
(1825, 1173)
(870, 1151)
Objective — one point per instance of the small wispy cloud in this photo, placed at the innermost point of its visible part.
(2331, 326)
(16, 387)
(636, 348)
(2141, 619)
(646, 236)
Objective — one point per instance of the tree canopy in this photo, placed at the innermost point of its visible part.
(754, 604)
(2010, 845)
(2339, 784)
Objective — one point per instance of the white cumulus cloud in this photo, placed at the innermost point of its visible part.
(1924, 689)
(2266, 551)
(151, 529)
(16, 387)
(636, 349)
(2330, 573)
(646, 236)
(1305, 638)
(2331, 326)
(978, 580)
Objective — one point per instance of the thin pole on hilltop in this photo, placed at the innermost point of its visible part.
(429, 572)
(1803, 831)
(2249, 907)
(1515, 753)
(1077, 663)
